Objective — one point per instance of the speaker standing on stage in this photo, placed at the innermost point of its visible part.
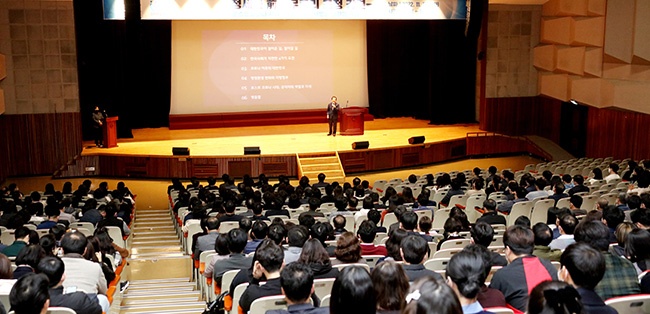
(333, 115)
(98, 120)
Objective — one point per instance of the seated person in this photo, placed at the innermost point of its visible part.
(274, 208)
(230, 215)
(367, 232)
(375, 216)
(339, 222)
(487, 297)
(490, 214)
(297, 282)
(270, 259)
(453, 226)
(30, 295)
(414, 251)
(348, 249)
(296, 236)
(80, 302)
(520, 196)
(567, 224)
(575, 201)
(583, 267)
(483, 234)
(620, 278)
(110, 219)
(543, 237)
(465, 275)
(258, 233)
(409, 221)
(237, 259)
(21, 237)
(52, 218)
(524, 270)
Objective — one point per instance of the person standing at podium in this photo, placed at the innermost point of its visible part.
(333, 115)
(99, 117)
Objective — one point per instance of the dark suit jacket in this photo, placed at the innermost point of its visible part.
(492, 218)
(78, 301)
(593, 303)
(301, 309)
(417, 271)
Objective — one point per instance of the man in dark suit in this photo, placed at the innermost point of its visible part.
(583, 267)
(490, 216)
(333, 115)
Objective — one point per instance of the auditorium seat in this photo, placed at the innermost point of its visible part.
(633, 304)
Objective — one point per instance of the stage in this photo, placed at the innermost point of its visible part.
(278, 140)
(289, 150)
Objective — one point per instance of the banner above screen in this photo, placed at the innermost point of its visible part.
(292, 9)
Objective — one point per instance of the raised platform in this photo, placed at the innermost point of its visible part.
(214, 152)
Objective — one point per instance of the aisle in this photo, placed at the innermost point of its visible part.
(160, 272)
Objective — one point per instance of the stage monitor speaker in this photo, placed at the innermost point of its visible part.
(360, 145)
(252, 150)
(416, 140)
(180, 151)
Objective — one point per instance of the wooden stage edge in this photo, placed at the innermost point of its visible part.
(148, 155)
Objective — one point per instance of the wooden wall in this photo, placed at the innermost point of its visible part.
(38, 144)
(618, 133)
(406, 156)
(491, 144)
(609, 131)
(522, 116)
(180, 166)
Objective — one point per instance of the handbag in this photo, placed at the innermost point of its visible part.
(216, 306)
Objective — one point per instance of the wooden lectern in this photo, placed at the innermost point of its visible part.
(109, 129)
(352, 120)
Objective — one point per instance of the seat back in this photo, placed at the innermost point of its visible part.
(236, 296)
(389, 219)
(563, 203)
(519, 209)
(192, 229)
(323, 287)
(341, 266)
(325, 301)
(633, 304)
(437, 264)
(116, 234)
(226, 226)
(275, 302)
(447, 253)
(455, 244)
(539, 211)
(371, 260)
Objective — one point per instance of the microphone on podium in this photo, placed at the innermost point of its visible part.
(346, 103)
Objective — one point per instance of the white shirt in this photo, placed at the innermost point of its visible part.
(612, 176)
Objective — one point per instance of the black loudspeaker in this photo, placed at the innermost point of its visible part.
(253, 150)
(180, 151)
(360, 145)
(416, 140)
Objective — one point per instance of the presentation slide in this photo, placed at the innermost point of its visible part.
(234, 66)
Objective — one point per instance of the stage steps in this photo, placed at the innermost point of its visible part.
(160, 271)
(311, 164)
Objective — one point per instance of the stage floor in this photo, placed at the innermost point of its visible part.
(278, 140)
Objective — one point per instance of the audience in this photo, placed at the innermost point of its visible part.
(22, 238)
(415, 251)
(391, 286)
(353, 292)
(258, 233)
(544, 237)
(524, 270)
(430, 295)
(297, 282)
(620, 277)
(583, 267)
(554, 297)
(221, 248)
(483, 234)
(487, 297)
(270, 259)
(296, 236)
(367, 232)
(206, 242)
(237, 259)
(348, 249)
(27, 260)
(453, 226)
(316, 258)
(54, 269)
(637, 249)
(566, 224)
(30, 295)
(465, 275)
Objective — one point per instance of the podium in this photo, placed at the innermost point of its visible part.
(352, 120)
(109, 130)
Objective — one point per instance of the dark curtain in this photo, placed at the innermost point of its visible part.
(124, 67)
(424, 69)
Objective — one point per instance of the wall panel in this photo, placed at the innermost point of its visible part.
(38, 144)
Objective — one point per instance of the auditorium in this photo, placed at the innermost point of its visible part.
(324, 156)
